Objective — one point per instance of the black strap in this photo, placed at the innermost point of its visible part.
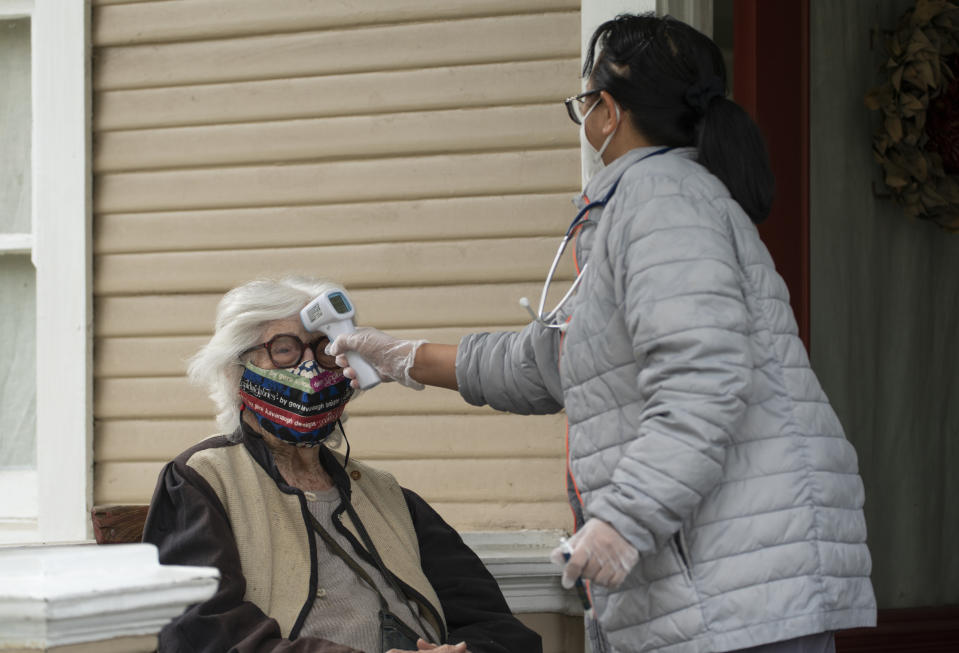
(612, 190)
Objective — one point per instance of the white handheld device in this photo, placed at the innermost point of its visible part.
(332, 313)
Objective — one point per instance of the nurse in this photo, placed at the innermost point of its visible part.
(718, 503)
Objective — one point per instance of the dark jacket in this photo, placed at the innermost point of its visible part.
(198, 498)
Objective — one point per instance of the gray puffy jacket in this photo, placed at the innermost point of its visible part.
(696, 426)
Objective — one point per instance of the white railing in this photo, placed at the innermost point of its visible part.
(519, 561)
(107, 596)
(117, 597)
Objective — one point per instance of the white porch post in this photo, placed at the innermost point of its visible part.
(595, 12)
(61, 216)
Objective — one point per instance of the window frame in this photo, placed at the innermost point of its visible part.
(52, 503)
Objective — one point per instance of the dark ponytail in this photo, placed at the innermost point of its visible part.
(731, 147)
(671, 80)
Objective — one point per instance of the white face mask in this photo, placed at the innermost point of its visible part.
(592, 158)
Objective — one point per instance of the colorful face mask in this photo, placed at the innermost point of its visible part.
(300, 406)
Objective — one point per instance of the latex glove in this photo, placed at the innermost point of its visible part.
(423, 645)
(392, 358)
(600, 554)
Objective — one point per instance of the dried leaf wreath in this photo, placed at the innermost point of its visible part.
(917, 144)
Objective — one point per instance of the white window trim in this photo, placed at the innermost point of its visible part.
(16, 244)
(16, 9)
(18, 520)
(60, 499)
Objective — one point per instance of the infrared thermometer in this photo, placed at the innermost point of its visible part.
(332, 314)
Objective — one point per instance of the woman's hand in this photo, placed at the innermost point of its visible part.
(423, 645)
(409, 362)
(392, 358)
(600, 554)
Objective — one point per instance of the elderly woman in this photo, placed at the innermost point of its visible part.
(317, 551)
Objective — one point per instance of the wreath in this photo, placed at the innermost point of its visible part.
(917, 143)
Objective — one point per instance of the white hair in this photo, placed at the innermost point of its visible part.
(241, 319)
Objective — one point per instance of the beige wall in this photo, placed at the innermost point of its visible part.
(560, 633)
(416, 151)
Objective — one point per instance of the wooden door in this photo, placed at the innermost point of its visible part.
(771, 81)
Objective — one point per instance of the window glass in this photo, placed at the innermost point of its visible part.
(18, 362)
(16, 124)
(17, 275)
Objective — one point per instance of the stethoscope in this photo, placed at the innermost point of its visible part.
(548, 320)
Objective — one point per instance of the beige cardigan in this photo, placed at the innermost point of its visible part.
(274, 539)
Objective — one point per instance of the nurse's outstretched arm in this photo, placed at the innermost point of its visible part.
(412, 363)
(436, 365)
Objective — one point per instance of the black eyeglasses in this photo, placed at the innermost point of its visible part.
(576, 105)
(286, 350)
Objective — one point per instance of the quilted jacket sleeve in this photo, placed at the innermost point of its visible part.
(515, 372)
(681, 290)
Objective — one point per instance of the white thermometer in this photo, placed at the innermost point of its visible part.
(332, 313)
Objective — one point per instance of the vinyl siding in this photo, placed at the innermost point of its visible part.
(416, 152)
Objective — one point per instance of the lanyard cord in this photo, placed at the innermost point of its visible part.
(577, 223)
(547, 319)
(387, 574)
(336, 549)
(346, 461)
(609, 194)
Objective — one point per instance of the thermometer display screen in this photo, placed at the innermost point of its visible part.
(339, 303)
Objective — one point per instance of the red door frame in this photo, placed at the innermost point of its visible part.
(771, 81)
